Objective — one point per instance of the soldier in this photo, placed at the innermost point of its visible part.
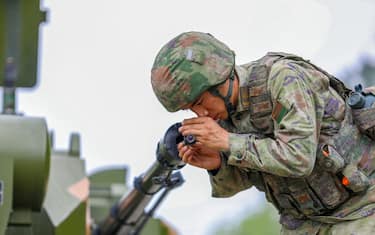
(280, 124)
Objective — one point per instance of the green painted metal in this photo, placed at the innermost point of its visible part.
(31, 158)
(155, 226)
(74, 145)
(60, 202)
(20, 222)
(104, 177)
(41, 224)
(6, 181)
(107, 186)
(19, 230)
(24, 170)
(2, 38)
(75, 223)
(28, 166)
(22, 217)
(19, 24)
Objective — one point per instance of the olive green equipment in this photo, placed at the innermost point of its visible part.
(47, 191)
(128, 216)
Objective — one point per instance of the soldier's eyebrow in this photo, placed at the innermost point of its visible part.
(196, 102)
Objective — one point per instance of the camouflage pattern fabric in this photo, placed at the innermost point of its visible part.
(309, 113)
(363, 226)
(187, 66)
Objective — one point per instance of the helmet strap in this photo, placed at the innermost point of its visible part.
(228, 105)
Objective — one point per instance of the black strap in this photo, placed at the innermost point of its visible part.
(228, 105)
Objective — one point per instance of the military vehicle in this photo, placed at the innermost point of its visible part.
(46, 191)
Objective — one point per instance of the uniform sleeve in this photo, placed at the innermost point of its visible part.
(292, 151)
(229, 180)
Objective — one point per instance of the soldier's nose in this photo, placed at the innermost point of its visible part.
(202, 113)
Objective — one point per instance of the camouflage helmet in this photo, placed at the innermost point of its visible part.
(188, 65)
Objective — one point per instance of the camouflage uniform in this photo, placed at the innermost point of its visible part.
(306, 112)
(291, 135)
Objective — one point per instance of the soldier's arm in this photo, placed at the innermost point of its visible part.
(291, 153)
(229, 180)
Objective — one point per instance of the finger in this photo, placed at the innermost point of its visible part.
(185, 159)
(196, 146)
(183, 156)
(195, 125)
(187, 156)
(186, 152)
(187, 127)
(199, 145)
(196, 120)
(182, 151)
(180, 146)
(192, 130)
(194, 161)
(190, 160)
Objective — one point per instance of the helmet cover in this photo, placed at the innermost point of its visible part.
(188, 65)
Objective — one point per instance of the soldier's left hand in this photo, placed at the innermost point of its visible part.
(206, 131)
(199, 156)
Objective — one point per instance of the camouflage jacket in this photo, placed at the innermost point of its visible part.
(306, 112)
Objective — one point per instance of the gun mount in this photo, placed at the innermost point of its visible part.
(128, 216)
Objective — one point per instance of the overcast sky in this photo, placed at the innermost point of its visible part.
(95, 66)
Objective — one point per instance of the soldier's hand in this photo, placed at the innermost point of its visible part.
(199, 156)
(207, 132)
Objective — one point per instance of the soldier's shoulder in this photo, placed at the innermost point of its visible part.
(284, 75)
(286, 66)
(280, 70)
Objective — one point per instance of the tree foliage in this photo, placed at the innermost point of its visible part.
(264, 222)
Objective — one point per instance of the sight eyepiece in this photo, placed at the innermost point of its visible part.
(189, 140)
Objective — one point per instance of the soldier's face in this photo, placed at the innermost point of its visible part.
(208, 105)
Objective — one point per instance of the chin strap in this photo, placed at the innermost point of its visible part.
(228, 105)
